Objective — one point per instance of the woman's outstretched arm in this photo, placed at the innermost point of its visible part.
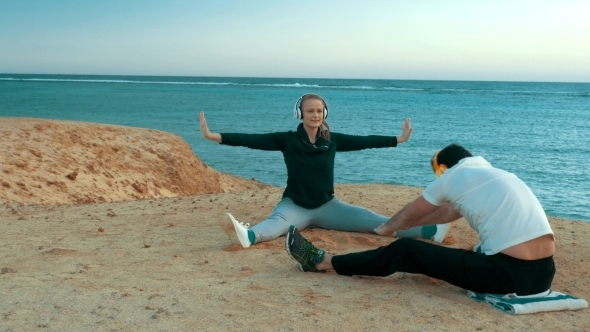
(355, 143)
(215, 137)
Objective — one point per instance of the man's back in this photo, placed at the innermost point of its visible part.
(497, 204)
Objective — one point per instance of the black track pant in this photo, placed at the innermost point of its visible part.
(494, 274)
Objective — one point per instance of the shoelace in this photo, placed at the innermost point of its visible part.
(310, 253)
(317, 253)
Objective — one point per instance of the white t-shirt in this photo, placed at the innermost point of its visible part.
(497, 204)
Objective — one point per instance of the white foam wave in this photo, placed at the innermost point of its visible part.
(292, 85)
(512, 91)
(280, 85)
(286, 85)
(402, 89)
(535, 92)
(110, 81)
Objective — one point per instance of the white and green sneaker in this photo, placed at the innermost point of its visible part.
(237, 231)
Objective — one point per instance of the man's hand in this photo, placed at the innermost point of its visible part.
(409, 216)
(385, 230)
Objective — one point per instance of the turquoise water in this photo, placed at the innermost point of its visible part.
(539, 131)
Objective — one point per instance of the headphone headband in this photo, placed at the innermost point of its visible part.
(439, 170)
(297, 109)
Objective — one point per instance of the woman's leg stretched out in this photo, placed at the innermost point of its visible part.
(334, 215)
(341, 216)
(285, 214)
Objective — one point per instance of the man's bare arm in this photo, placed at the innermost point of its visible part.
(444, 214)
(411, 215)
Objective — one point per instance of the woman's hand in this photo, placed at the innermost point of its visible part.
(406, 131)
(215, 137)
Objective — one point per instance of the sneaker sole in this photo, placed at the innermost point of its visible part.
(229, 227)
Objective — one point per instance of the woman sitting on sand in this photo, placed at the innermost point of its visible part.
(308, 199)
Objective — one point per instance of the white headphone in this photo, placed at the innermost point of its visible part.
(297, 108)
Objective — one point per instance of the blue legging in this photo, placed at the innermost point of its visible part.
(335, 215)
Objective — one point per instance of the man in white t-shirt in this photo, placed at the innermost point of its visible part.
(516, 244)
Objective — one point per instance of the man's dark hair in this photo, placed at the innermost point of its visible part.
(451, 154)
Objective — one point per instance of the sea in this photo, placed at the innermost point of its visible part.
(538, 131)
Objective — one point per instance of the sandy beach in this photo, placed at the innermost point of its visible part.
(110, 228)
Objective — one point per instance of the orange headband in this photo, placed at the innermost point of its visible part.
(439, 170)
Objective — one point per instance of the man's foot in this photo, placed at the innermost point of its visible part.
(237, 231)
(302, 251)
(441, 232)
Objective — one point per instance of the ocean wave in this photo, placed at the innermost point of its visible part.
(278, 85)
(80, 80)
(298, 85)
(513, 91)
(401, 89)
(537, 92)
(283, 85)
(290, 85)
(460, 90)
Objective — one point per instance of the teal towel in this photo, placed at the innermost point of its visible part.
(518, 305)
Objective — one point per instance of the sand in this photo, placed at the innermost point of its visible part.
(86, 255)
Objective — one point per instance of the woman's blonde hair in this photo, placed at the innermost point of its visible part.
(325, 127)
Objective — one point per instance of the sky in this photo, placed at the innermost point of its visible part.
(499, 40)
